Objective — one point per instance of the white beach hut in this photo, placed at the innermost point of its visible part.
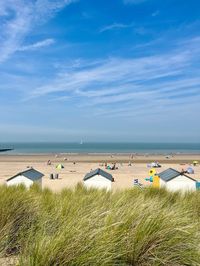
(174, 180)
(98, 179)
(27, 178)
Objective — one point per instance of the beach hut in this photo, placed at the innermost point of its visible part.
(174, 180)
(98, 179)
(156, 181)
(59, 166)
(27, 178)
(198, 185)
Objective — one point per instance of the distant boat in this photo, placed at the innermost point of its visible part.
(81, 142)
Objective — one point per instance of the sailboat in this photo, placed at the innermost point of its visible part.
(81, 142)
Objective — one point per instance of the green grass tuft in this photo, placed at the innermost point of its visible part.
(90, 227)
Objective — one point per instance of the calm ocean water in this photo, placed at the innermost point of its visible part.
(162, 148)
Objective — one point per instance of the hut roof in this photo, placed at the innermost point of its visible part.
(30, 173)
(171, 173)
(99, 171)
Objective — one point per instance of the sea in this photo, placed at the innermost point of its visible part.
(104, 148)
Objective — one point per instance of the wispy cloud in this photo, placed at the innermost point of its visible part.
(19, 17)
(37, 45)
(134, 1)
(156, 13)
(161, 80)
(115, 26)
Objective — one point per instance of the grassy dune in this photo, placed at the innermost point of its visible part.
(80, 227)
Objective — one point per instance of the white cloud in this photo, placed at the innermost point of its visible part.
(127, 87)
(156, 13)
(25, 16)
(146, 82)
(134, 1)
(115, 26)
(37, 45)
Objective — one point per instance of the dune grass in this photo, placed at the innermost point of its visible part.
(81, 227)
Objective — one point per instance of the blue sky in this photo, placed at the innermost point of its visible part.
(117, 70)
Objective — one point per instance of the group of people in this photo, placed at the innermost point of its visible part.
(113, 167)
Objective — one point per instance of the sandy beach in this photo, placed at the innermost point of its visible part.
(74, 173)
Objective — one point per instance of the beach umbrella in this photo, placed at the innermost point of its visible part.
(195, 162)
(190, 170)
(59, 166)
(152, 172)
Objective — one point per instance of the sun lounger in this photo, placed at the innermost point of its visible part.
(136, 183)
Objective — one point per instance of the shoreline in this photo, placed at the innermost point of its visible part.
(102, 148)
(100, 153)
(100, 157)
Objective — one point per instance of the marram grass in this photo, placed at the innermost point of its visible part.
(80, 227)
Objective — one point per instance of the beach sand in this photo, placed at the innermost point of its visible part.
(74, 173)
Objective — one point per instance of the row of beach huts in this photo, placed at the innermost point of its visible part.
(170, 179)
